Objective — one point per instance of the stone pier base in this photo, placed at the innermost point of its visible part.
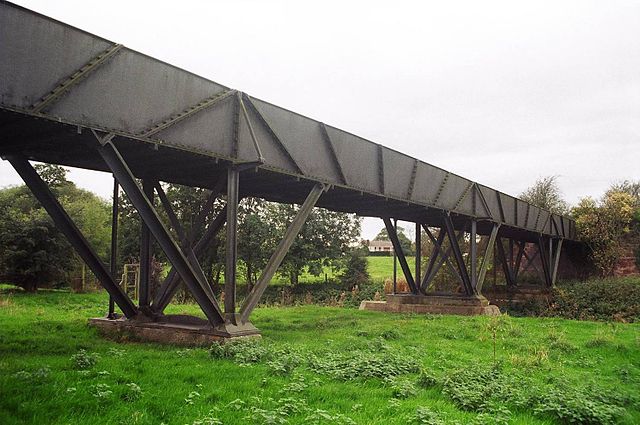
(434, 304)
(510, 296)
(175, 330)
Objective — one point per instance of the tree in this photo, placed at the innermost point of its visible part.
(602, 226)
(405, 242)
(355, 272)
(324, 239)
(255, 240)
(33, 253)
(546, 194)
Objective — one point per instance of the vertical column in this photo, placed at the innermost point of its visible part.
(418, 277)
(395, 256)
(473, 254)
(231, 253)
(145, 252)
(115, 209)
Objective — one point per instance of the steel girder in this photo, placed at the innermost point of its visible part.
(150, 217)
(79, 82)
(281, 250)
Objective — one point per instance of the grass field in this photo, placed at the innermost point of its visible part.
(380, 268)
(316, 365)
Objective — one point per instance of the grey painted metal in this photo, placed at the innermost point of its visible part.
(145, 252)
(516, 267)
(544, 260)
(457, 254)
(395, 261)
(444, 258)
(64, 223)
(473, 254)
(184, 241)
(437, 243)
(506, 266)
(397, 248)
(418, 237)
(281, 250)
(556, 261)
(231, 251)
(113, 259)
(488, 253)
(170, 285)
(74, 79)
(142, 99)
(118, 167)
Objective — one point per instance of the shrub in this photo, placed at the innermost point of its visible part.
(598, 299)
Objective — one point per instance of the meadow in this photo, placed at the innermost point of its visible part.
(316, 365)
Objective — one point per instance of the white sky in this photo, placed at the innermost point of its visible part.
(499, 92)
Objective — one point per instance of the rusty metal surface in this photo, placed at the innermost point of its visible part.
(52, 72)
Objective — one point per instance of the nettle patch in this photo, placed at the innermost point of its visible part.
(488, 391)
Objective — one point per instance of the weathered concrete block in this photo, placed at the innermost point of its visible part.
(433, 304)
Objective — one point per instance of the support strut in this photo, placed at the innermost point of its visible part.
(281, 250)
(64, 223)
(118, 167)
(393, 236)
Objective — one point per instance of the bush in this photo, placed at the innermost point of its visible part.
(601, 299)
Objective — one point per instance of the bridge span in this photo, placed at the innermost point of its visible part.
(72, 98)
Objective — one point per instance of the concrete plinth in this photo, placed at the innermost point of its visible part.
(172, 329)
(433, 304)
(506, 296)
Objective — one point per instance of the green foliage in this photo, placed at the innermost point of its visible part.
(33, 253)
(602, 226)
(355, 271)
(591, 382)
(545, 193)
(597, 299)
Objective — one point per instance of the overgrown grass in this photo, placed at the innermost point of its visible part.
(317, 365)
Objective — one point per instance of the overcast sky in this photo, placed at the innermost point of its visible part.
(498, 92)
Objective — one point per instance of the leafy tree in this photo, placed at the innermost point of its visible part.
(602, 226)
(255, 239)
(546, 194)
(405, 242)
(355, 270)
(33, 253)
(323, 240)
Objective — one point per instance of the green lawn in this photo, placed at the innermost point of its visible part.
(317, 365)
(380, 268)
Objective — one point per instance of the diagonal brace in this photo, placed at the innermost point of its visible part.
(457, 255)
(64, 223)
(444, 259)
(281, 250)
(170, 285)
(391, 231)
(118, 167)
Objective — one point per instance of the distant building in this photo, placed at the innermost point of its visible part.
(380, 246)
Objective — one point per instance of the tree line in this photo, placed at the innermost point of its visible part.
(34, 254)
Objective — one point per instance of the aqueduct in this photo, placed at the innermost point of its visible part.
(71, 98)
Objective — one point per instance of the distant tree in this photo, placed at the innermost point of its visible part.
(405, 242)
(546, 194)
